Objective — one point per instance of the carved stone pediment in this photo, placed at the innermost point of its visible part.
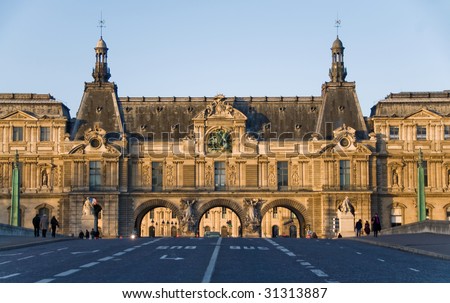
(423, 114)
(220, 109)
(19, 115)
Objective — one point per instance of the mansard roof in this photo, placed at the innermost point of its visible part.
(267, 117)
(405, 104)
(41, 105)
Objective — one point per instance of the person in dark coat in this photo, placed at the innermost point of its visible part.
(376, 225)
(81, 235)
(367, 228)
(358, 227)
(86, 234)
(36, 225)
(54, 223)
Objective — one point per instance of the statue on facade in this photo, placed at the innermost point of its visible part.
(253, 214)
(44, 178)
(187, 221)
(395, 177)
(87, 208)
(346, 206)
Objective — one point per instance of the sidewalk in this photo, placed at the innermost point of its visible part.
(429, 244)
(14, 242)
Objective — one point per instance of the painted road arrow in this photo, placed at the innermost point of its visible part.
(166, 258)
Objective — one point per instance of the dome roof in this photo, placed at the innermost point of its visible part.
(337, 43)
(101, 43)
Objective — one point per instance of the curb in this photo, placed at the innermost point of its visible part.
(29, 244)
(404, 248)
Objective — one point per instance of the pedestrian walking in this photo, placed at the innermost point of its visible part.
(54, 223)
(376, 225)
(367, 228)
(358, 227)
(92, 234)
(81, 235)
(36, 225)
(86, 234)
(44, 225)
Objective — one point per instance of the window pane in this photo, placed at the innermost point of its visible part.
(421, 132)
(219, 175)
(45, 134)
(344, 174)
(157, 176)
(94, 175)
(17, 133)
(393, 133)
(282, 173)
(446, 132)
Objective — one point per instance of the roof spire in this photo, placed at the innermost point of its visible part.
(337, 24)
(101, 24)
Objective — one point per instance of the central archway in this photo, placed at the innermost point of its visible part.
(227, 220)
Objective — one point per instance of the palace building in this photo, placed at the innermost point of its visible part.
(240, 166)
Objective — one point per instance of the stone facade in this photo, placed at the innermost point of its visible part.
(243, 166)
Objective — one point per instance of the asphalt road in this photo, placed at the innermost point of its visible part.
(185, 260)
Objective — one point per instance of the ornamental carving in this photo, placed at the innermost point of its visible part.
(219, 108)
(219, 141)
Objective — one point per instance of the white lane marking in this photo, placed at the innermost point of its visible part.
(89, 264)
(212, 263)
(235, 247)
(381, 260)
(10, 255)
(319, 273)
(119, 254)
(290, 254)
(59, 249)
(305, 263)
(9, 276)
(105, 258)
(46, 253)
(331, 281)
(413, 269)
(67, 272)
(358, 253)
(129, 249)
(45, 281)
(85, 252)
(24, 258)
(137, 246)
(6, 262)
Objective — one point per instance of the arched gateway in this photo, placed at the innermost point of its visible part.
(177, 224)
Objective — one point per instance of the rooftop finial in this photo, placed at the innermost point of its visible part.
(101, 24)
(337, 24)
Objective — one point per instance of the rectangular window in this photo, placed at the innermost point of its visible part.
(446, 132)
(275, 212)
(45, 134)
(95, 175)
(344, 174)
(224, 212)
(157, 176)
(152, 214)
(393, 133)
(219, 175)
(17, 134)
(282, 174)
(421, 132)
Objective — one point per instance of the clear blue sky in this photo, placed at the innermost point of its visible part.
(235, 47)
